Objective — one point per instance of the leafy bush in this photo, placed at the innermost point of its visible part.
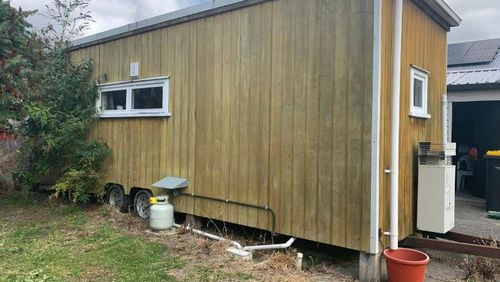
(84, 180)
(57, 149)
(53, 98)
(79, 184)
(16, 61)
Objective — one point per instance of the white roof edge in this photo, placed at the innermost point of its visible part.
(445, 12)
(160, 21)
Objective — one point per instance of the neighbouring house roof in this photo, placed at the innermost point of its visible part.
(474, 65)
(438, 9)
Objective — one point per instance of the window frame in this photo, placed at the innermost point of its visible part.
(422, 75)
(129, 86)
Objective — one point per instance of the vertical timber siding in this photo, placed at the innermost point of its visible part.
(424, 45)
(271, 105)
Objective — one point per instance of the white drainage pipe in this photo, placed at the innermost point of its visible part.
(270, 246)
(240, 251)
(209, 235)
(299, 261)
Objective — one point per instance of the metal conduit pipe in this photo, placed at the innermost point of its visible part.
(266, 208)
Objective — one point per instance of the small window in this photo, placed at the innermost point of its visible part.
(418, 92)
(140, 98)
(147, 98)
(114, 100)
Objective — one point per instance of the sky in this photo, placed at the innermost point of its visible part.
(481, 18)
(108, 14)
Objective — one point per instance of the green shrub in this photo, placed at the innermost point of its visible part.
(85, 180)
(56, 150)
(53, 99)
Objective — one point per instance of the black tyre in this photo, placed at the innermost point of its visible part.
(141, 203)
(117, 199)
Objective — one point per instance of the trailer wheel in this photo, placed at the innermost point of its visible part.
(141, 203)
(117, 198)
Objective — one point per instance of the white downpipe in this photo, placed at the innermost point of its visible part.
(445, 118)
(396, 92)
(271, 246)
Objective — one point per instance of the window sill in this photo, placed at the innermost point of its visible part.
(419, 115)
(134, 114)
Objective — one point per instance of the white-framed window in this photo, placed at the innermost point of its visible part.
(419, 85)
(138, 98)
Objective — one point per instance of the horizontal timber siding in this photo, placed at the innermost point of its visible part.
(424, 44)
(271, 105)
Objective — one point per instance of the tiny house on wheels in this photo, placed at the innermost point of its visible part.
(303, 108)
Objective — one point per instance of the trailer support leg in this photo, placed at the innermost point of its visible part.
(369, 267)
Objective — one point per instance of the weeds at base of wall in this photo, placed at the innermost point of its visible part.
(478, 269)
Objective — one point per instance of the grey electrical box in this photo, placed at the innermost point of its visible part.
(171, 183)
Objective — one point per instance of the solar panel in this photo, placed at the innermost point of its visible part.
(456, 52)
(472, 52)
(486, 44)
(479, 56)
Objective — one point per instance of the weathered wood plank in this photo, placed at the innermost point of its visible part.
(354, 127)
(193, 72)
(235, 113)
(244, 87)
(265, 107)
(276, 109)
(326, 102)
(287, 129)
(227, 72)
(311, 192)
(253, 133)
(215, 207)
(299, 118)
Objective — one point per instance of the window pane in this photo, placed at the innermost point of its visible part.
(147, 98)
(113, 100)
(418, 87)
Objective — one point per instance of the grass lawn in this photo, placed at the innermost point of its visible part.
(42, 240)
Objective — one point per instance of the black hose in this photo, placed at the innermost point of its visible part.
(266, 208)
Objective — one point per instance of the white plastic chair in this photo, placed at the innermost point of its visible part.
(465, 167)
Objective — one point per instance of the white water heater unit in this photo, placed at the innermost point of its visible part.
(436, 187)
